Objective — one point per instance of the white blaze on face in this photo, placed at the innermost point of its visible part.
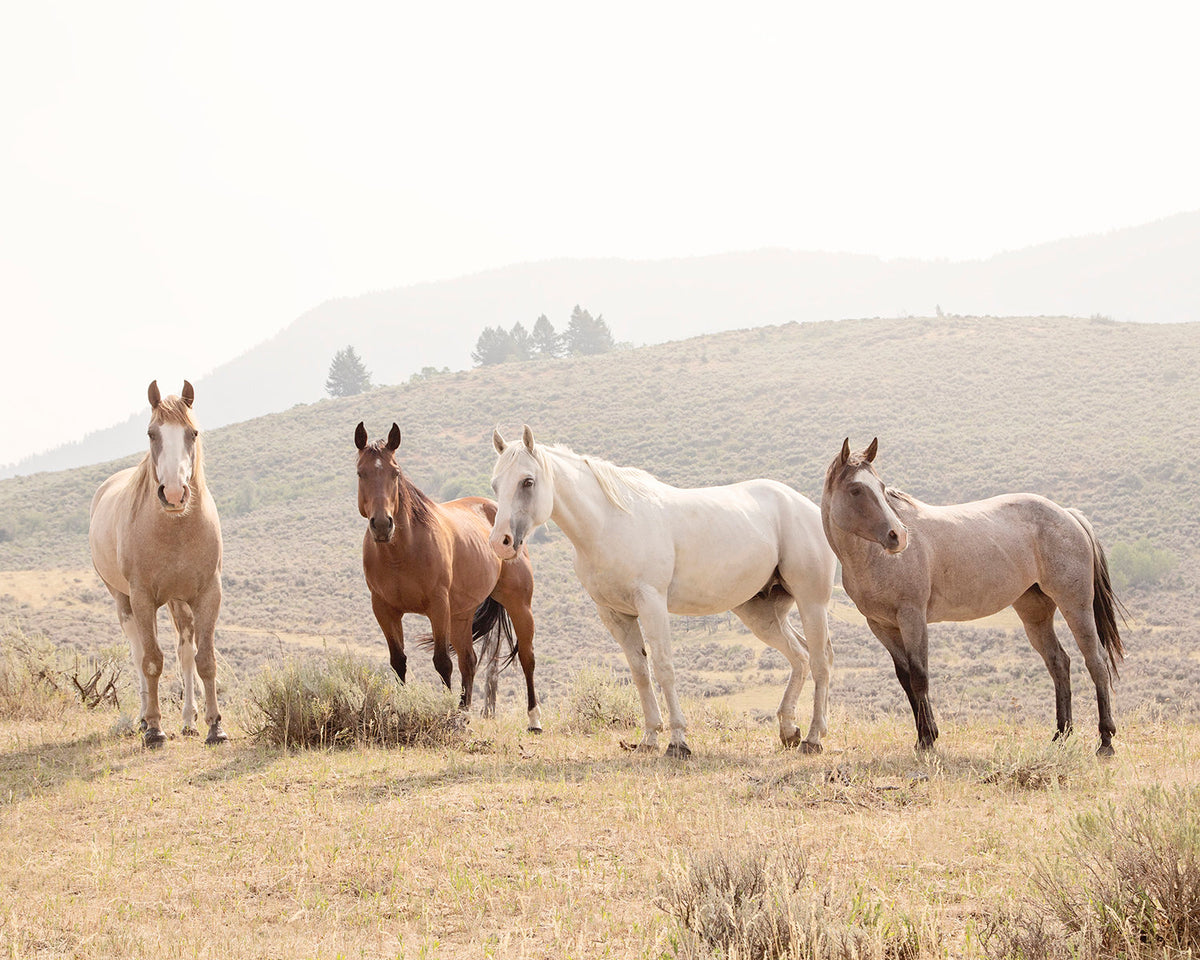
(174, 464)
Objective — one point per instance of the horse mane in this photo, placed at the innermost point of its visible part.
(414, 502)
(619, 484)
(172, 410)
(857, 463)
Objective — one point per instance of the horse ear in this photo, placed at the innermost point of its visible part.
(394, 438)
(189, 393)
(360, 435)
(153, 394)
(498, 441)
(873, 449)
(845, 451)
(527, 436)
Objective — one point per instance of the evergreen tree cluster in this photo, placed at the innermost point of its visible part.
(584, 335)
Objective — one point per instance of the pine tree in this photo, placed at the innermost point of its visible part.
(522, 342)
(546, 339)
(587, 335)
(347, 375)
(495, 345)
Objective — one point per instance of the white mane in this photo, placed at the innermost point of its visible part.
(619, 484)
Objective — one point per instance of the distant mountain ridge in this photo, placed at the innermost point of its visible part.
(1144, 274)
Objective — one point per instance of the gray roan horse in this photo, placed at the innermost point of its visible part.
(906, 564)
(156, 539)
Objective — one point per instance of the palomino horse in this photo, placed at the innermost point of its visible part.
(906, 564)
(643, 548)
(156, 539)
(433, 559)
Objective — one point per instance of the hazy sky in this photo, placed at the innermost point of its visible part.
(180, 181)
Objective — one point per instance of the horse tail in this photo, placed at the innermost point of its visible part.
(491, 617)
(1105, 603)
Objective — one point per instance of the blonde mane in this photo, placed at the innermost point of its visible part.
(170, 410)
(619, 484)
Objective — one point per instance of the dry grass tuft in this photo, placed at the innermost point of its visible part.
(598, 701)
(345, 702)
(759, 906)
(1039, 766)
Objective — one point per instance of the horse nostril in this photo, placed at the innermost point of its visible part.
(507, 540)
(893, 536)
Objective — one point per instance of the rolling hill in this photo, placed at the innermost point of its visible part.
(1095, 414)
(1144, 274)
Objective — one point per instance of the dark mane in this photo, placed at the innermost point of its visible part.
(414, 503)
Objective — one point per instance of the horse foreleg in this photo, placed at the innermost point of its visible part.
(391, 622)
(628, 634)
(150, 664)
(909, 647)
(129, 629)
(656, 628)
(185, 626)
(205, 608)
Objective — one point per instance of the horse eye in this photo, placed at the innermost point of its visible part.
(527, 482)
(855, 491)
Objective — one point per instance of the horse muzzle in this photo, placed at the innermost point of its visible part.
(895, 540)
(176, 501)
(505, 546)
(382, 528)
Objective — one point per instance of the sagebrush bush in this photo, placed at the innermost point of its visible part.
(597, 700)
(760, 906)
(38, 681)
(1128, 886)
(345, 702)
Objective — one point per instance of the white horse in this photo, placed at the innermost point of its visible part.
(643, 548)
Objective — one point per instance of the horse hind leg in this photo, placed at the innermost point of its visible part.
(1036, 611)
(185, 626)
(522, 621)
(1082, 621)
(767, 619)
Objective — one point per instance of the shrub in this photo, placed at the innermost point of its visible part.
(32, 687)
(1039, 766)
(760, 907)
(597, 700)
(1128, 886)
(345, 702)
(1139, 564)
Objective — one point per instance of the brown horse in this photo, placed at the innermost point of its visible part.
(434, 559)
(156, 538)
(906, 564)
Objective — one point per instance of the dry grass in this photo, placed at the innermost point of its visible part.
(509, 845)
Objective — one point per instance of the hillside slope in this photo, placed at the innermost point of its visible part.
(1139, 274)
(1097, 415)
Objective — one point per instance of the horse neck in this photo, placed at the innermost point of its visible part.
(580, 506)
(415, 513)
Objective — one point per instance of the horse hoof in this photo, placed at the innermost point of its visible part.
(153, 738)
(807, 746)
(645, 748)
(1105, 750)
(189, 732)
(216, 736)
(678, 751)
(537, 730)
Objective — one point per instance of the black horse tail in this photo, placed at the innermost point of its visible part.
(1105, 604)
(491, 618)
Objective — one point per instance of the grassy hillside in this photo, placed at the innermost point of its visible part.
(1143, 274)
(1097, 415)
